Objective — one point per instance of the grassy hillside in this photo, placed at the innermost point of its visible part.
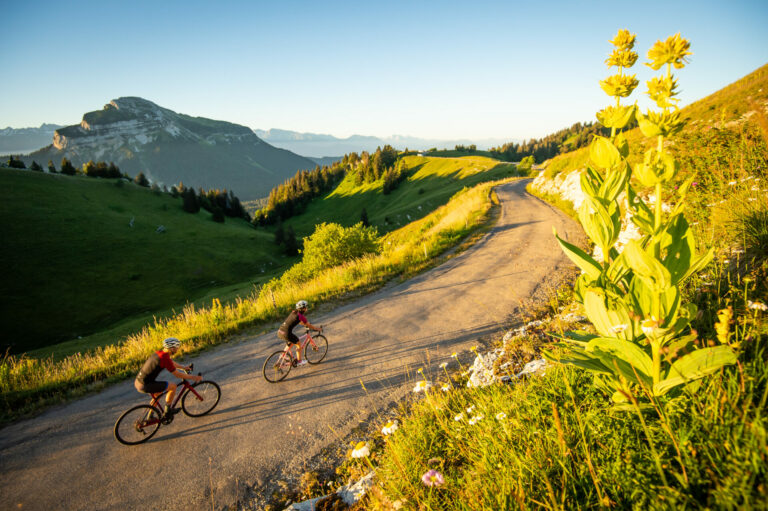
(432, 181)
(81, 254)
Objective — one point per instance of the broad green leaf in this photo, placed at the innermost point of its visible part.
(678, 243)
(622, 145)
(623, 356)
(584, 261)
(649, 128)
(616, 117)
(613, 322)
(615, 180)
(695, 365)
(646, 267)
(600, 220)
(603, 153)
(642, 216)
(698, 264)
(590, 181)
(579, 360)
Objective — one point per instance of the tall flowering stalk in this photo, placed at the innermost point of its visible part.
(632, 297)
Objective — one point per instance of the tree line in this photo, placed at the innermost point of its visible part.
(562, 141)
(220, 203)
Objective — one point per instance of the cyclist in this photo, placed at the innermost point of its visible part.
(285, 332)
(146, 379)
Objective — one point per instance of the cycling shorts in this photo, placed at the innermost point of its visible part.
(288, 337)
(151, 387)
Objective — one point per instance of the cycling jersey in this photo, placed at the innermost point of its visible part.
(293, 319)
(285, 332)
(156, 362)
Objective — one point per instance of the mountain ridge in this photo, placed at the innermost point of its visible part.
(168, 147)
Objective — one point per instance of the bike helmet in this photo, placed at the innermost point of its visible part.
(171, 342)
(301, 304)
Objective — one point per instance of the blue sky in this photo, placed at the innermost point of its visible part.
(507, 70)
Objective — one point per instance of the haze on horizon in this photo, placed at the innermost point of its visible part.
(437, 70)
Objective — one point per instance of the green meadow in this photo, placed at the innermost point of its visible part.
(83, 255)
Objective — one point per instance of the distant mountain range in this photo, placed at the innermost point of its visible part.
(317, 145)
(26, 140)
(140, 136)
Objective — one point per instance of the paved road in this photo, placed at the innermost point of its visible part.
(67, 458)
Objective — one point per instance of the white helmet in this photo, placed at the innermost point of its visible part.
(171, 342)
(301, 304)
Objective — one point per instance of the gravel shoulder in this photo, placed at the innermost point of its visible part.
(67, 458)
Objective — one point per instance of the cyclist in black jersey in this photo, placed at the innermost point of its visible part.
(146, 381)
(285, 332)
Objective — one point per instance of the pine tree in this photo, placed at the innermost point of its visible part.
(51, 167)
(35, 166)
(67, 167)
(290, 244)
(364, 218)
(141, 180)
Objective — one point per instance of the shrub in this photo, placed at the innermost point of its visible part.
(331, 245)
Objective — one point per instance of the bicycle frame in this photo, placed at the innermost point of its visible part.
(181, 388)
(302, 344)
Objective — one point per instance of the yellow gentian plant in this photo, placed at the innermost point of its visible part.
(632, 297)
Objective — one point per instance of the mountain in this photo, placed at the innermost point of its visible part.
(315, 145)
(26, 140)
(168, 147)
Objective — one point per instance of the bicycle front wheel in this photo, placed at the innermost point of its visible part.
(137, 425)
(315, 354)
(277, 366)
(209, 394)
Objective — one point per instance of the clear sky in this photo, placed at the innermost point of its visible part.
(432, 69)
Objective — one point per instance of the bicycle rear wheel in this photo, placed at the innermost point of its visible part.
(277, 366)
(194, 406)
(315, 354)
(137, 425)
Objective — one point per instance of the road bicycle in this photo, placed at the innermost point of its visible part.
(141, 422)
(279, 364)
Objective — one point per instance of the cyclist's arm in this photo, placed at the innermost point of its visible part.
(185, 376)
(179, 366)
(311, 326)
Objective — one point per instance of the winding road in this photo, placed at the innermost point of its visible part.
(67, 458)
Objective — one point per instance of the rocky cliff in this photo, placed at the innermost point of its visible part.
(140, 136)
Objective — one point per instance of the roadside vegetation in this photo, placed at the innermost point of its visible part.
(660, 408)
(27, 384)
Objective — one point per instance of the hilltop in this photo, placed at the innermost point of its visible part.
(168, 147)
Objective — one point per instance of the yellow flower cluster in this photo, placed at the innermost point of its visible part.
(663, 90)
(621, 58)
(619, 85)
(672, 51)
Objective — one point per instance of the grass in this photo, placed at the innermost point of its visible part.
(431, 183)
(553, 442)
(27, 384)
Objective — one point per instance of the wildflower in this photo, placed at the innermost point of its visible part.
(422, 386)
(473, 348)
(471, 409)
(433, 478)
(474, 420)
(649, 326)
(459, 417)
(501, 416)
(723, 325)
(759, 306)
(619, 85)
(620, 328)
(445, 388)
(674, 51)
(361, 450)
(624, 40)
(389, 428)
(443, 365)
(731, 183)
(454, 355)
(420, 370)
(621, 58)
(695, 183)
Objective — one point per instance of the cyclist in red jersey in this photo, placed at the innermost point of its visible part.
(146, 381)
(285, 332)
